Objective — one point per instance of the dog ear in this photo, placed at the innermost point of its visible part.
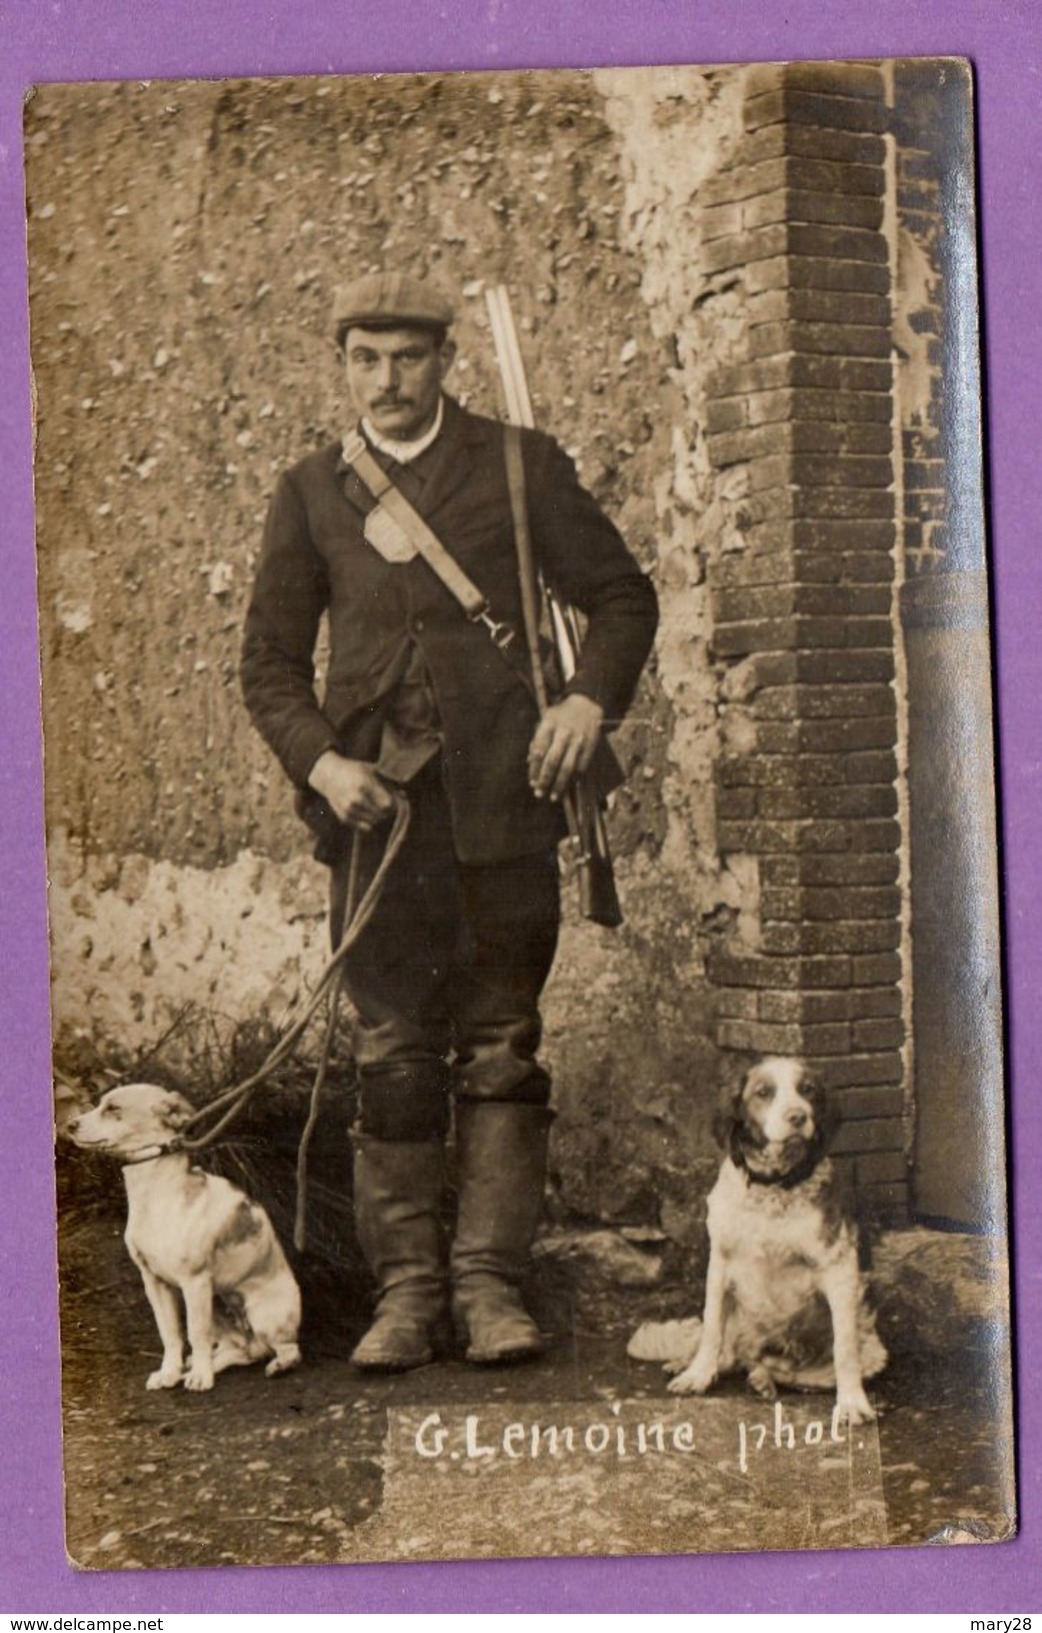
(177, 1111)
(827, 1115)
(729, 1110)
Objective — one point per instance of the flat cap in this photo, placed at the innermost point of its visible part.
(389, 297)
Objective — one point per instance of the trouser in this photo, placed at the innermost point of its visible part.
(446, 977)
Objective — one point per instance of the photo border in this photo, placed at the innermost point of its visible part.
(127, 39)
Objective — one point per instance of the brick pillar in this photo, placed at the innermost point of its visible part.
(801, 595)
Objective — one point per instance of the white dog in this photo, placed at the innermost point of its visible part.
(196, 1234)
(784, 1299)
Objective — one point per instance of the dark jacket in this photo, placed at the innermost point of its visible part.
(315, 559)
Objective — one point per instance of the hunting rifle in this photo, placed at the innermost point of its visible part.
(583, 804)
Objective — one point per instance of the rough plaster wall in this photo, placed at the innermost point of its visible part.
(185, 241)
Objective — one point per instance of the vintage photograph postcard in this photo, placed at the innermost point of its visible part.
(520, 814)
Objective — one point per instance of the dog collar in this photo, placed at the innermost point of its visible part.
(785, 1182)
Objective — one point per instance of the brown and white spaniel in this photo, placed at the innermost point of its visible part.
(784, 1297)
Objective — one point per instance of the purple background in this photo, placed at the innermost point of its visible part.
(117, 39)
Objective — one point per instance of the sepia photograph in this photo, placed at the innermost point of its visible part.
(520, 814)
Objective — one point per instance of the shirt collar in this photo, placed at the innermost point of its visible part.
(403, 452)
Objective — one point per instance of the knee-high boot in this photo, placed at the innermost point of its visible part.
(501, 1153)
(398, 1188)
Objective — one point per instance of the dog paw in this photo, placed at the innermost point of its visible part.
(694, 1380)
(164, 1378)
(762, 1384)
(855, 1408)
(198, 1378)
(284, 1362)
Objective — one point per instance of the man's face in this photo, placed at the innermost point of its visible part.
(394, 377)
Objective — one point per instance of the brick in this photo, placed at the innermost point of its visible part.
(750, 443)
(783, 172)
(748, 569)
(824, 972)
(842, 374)
(773, 141)
(876, 970)
(875, 1100)
(742, 606)
(726, 414)
(882, 1168)
(840, 667)
(869, 835)
(850, 902)
(796, 206)
(780, 871)
(879, 1034)
(841, 504)
(765, 771)
(760, 1038)
(785, 939)
(798, 501)
(772, 475)
(867, 1070)
(827, 1039)
(831, 339)
(869, 1134)
(771, 635)
(800, 804)
(848, 534)
(723, 254)
(807, 108)
(836, 78)
(769, 669)
(837, 306)
(854, 567)
(728, 970)
(857, 471)
(823, 871)
(855, 936)
(809, 1007)
(724, 220)
(756, 837)
(793, 406)
(834, 242)
(737, 1003)
(746, 180)
(781, 904)
(873, 767)
(735, 804)
(818, 175)
(791, 702)
(884, 1205)
(813, 275)
(792, 205)
(875, 1002)
(843, 600)
(839, 209)
(844, 632)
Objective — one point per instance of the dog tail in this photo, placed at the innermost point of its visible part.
(665, 1340)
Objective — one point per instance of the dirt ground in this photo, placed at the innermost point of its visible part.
(321, 1466)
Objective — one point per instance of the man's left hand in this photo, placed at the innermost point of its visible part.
(565, 742)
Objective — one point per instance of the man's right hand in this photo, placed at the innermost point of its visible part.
(352, 790)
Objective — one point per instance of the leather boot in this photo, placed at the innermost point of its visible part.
(398, 1187)
(501, 1155)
